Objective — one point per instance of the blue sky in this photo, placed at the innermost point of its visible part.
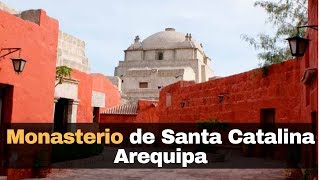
(109, 27)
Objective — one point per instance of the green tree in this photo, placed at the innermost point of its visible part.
(63, 72)
(284, 16)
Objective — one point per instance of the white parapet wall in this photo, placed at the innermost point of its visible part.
(71, 53)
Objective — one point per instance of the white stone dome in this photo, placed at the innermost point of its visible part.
(167, 39)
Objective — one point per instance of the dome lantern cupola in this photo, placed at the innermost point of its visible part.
(170, 29)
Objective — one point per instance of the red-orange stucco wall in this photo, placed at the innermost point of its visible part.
(117, 118)
(245, 95)
(89, 83)
(84, 111)
(33, 89)
(309, 97)
(102, 84)
(147, 111)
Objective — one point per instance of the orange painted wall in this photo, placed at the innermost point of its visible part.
(309, 97)
(147, 111)
(245, 95)
(117, 118)
(33, 90)
(89, 83)
(101, 83)
(36, 82)
(84, 114)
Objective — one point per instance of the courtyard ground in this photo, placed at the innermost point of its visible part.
(166, 174)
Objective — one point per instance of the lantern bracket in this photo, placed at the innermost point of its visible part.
(314, 27)
(9, 51)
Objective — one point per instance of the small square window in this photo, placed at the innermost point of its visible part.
(160, 56)
(143, 85)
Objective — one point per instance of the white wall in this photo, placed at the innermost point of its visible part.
(199, 55)
(155, 78)
(134, 55)
(183, 54)
(169, 55)
(150, 55)
(138, 66)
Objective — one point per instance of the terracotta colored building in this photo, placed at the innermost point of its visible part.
(33, 96)
(36, 87)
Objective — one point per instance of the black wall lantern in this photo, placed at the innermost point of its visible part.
(18, 63)
(298, 44)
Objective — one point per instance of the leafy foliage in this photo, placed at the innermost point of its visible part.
(63, 72)
(284, 16)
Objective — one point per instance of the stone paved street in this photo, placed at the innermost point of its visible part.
(183, 174)
(167, 174)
